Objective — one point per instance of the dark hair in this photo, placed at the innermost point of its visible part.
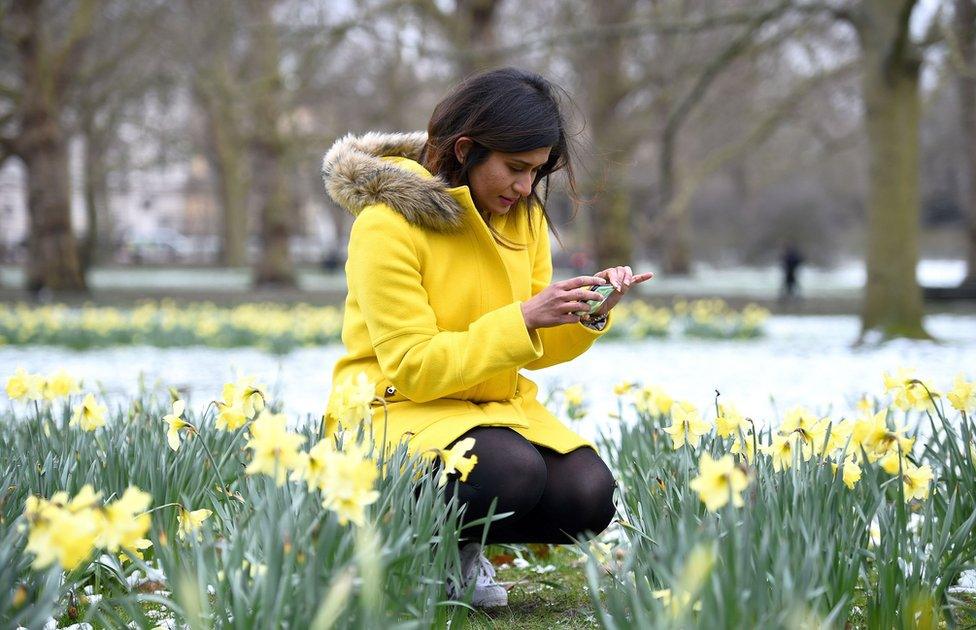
(506, 110)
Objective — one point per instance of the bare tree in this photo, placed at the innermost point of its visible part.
(891, 64)
(35, 88)
(965, 39)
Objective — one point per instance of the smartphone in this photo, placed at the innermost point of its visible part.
(603, 289)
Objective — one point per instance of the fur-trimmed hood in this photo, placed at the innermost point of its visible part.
(355, 176)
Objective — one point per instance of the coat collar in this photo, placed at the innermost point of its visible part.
(359, 171)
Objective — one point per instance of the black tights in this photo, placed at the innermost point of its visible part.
(554, 497)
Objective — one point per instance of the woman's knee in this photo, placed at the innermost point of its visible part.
(590, 503)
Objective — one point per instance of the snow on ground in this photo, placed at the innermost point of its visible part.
(803, 360)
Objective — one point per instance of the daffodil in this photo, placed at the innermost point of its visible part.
(810, 431)
(729, 421)
(190, 521)
(687, 426)
(90, 414)
(60, 385)
(63, 530)
(916, 480)
(352, 477)
(275, 448)
(574, 395)
(176, 424)
(623, 388)
(882, 442)
(351, 402)
(230, 416)
(455, 461)
(676, 605)
(963, 395)
(25, 386)
(781, 451)
(125, 521)
(841, 433)
(851, 472)
(743, 444)
(909, 392)
(652, 401)
(244, 391)
(719, 481)
(313, 467)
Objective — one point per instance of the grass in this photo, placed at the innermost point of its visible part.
(539, 598)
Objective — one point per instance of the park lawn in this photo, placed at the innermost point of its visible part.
(539, 597)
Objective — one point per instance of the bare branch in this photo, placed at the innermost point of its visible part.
(756, 136)
(630, 28)
(66, 60)
(840, 13)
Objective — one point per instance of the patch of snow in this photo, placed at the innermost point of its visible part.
(803, 360)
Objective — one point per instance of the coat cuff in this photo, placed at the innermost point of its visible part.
(525, 346)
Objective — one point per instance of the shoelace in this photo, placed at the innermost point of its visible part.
(486, 572)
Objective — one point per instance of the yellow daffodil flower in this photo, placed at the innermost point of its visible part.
(275, 448)
(313, 467)
(781, 451)
(810, 431)
(743, 444)
(190, 521)
(623, 388)
(90, 414)
(963, 395)
(455, 461)
(574, 395)
(851, 472)
(351, 402)
(729, 421)
(719, 481)
(916, 480)
(652, 401)
(230, 416)
(60, 385)
(23, 386)
(63, 530)
(350, 487)
(909, 392)
(176, 424)
(687, 426)
(125, 521)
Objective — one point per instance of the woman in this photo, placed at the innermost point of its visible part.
(449, 273)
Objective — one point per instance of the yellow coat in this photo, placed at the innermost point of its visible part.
(433, 312)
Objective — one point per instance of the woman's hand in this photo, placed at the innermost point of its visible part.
(622, 279)
(560, 302)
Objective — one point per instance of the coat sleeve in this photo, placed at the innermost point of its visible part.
(567, 341)
(424, 363)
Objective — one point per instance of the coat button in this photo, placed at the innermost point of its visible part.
(390, 390)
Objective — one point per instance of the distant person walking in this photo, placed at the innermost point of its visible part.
(791, 261)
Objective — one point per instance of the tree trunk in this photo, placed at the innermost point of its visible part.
(227, 156)
(475, 34)
(52, 260)
(893, 300)
(97, 244)
(269, 152)
(966, 86)
(606, 84)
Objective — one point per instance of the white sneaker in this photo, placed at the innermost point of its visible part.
(475, 567)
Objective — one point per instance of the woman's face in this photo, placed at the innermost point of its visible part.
(503, 179)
